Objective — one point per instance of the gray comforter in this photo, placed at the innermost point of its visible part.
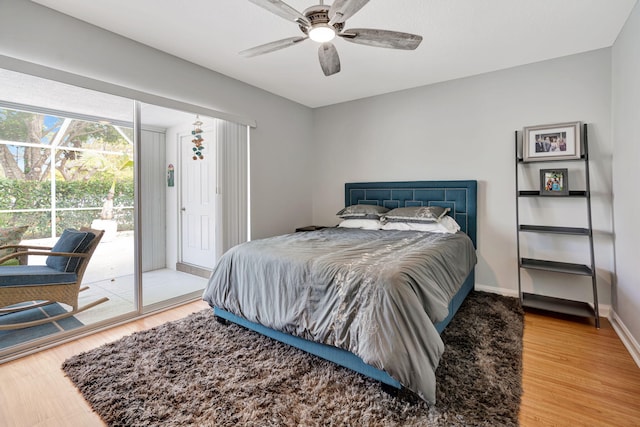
(376, 294)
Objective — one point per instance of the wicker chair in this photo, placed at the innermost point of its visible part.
(57, 281)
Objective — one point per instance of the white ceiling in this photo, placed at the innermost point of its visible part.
(460, 38)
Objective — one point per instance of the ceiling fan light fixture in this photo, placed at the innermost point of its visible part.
(322, 33)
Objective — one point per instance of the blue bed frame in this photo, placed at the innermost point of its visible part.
(459, 196)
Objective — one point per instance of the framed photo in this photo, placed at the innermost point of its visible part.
(551, 142)
(554, 182)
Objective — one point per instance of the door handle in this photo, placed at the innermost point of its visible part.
(183, 209)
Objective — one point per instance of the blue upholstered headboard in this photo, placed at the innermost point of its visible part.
(460, 196)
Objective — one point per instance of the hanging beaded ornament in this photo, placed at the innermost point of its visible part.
(197, 139)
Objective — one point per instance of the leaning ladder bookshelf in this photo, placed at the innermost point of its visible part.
(544, 302)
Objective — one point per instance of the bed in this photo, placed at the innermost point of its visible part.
(374, 301)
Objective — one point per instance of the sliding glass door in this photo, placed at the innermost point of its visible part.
(67, 162)
(168, 187)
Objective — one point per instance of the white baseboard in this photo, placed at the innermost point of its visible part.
(625, 336)
(495, 290)
(605, 310)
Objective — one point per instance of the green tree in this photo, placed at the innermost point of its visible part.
(32, 163)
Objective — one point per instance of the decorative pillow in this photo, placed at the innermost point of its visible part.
(362, 212)
(365, 224)
(11, 236)
(416, 214)
(445, 225)
(72, 241)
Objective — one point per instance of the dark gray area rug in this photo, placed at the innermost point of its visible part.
(196, 371)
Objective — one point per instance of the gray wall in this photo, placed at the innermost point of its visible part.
(461, 129)
(464, 129)
(626, 175)
(72, 46)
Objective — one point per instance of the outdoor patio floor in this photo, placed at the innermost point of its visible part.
(110, 274)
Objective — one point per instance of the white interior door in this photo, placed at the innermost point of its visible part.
(197, 210)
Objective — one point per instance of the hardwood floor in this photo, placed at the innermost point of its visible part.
(574, 375)
(577, 375)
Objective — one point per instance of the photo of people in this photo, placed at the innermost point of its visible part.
(554, 182)
(561, 141)
(546, 142)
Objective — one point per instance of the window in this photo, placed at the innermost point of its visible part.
(55, 171)
(64, 149)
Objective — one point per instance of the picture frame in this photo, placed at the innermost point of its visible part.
(561, 141)
(554, 182)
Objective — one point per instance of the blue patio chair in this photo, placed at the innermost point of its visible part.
(57, 281)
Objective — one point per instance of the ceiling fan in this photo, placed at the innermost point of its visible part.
(321, 23)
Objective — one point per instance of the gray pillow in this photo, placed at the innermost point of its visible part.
(71, 241)
(362, 212)
(416, 214)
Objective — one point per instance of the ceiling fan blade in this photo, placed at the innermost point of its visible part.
(283, 10)
(341, 10)
(382, 38)
(270, 47)
(329, 59)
